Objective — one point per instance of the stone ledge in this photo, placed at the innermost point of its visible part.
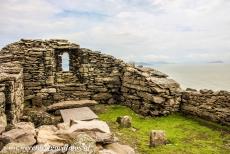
(71, 104)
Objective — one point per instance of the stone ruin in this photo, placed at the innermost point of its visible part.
(39, 79)
(33, 74)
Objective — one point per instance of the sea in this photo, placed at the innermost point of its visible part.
(215, 76)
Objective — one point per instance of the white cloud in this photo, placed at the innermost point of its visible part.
(170, 30)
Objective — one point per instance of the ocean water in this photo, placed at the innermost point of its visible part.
(198, 76)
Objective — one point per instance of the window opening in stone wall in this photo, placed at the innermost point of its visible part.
(65, 61)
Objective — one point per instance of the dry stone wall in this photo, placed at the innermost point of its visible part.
(31, 70)
(209, 105)
(149, 92)
(91, 75)
(11, 93)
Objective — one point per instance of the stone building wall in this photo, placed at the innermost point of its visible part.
(209, 105)
(3, 119)
(91, 75)
(11, 93)
(149, 92)
(32, 70)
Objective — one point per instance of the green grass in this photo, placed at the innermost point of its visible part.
(185, 135)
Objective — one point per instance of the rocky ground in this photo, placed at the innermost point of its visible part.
(78, 137)
(43, 132)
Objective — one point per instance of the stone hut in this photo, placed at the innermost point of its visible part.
(32, 71)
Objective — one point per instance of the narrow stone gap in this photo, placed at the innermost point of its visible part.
(8, 103)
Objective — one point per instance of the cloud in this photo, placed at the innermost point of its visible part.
(171, 30)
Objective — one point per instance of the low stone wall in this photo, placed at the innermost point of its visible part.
(209, 105)
(149, 92)
(11, 93)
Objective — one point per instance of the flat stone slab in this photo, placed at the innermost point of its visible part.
(93, 125)
(83, 113)
(71, 104)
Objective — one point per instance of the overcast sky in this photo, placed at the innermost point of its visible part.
(134, 30)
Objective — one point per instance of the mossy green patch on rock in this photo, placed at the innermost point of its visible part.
(185, 135)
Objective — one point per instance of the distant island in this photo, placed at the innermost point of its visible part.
(151, 63)
(216, 61)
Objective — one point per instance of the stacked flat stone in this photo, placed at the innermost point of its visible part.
(92, 75)
(207, 104)
(11, 93)
(34, 68)
(149, 92)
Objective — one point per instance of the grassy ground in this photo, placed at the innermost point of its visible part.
(185, 135)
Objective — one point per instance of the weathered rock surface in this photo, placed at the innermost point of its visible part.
(82, 144)
(98, 130)
(82, 113)
(11, 93)
(119, 149)
(71, 104)
(157, 137)
(106, 151)
(4, 141)
(124, 121)
(39, 117)
(46, 134)
(3, 123)
(23, 133)
(207, 104)
(96, 125)
(102, 96)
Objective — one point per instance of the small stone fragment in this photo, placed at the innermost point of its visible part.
(157, 137)
(124, 121)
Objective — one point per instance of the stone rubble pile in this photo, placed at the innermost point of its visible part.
(79, 137)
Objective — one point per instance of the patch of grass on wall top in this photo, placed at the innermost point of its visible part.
(185, 135)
